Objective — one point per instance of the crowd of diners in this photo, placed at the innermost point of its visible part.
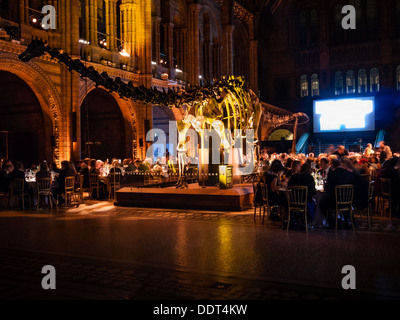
(16, 170)
(338, 167)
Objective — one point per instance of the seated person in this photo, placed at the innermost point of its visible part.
(337, 176)
(58, 188)
(275, 197)
(324, 167)
(5, 177)
(115, 167)
(102, 184)
(392, 172)
(44, 171)
(296, 165)
(129, 166)
(304, 178)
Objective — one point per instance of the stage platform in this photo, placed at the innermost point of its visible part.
(239, 198)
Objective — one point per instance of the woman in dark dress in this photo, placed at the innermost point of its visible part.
(273, 181)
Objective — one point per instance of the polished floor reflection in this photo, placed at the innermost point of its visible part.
(105, 252)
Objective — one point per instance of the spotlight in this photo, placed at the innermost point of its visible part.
(34, 20)
(124, 53)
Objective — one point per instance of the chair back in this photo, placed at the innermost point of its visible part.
(385, 183)
(372, 173)
(94, 179)
(69, 184)
(17, 186)
(43, 184)
(114, 178)
(371, 190)
(297, 195)
(81, 179)
(344, 194)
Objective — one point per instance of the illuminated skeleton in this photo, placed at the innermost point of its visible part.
(233, 108)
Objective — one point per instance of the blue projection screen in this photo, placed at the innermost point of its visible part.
(344, 115)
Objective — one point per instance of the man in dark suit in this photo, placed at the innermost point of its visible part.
(337, 176)
(392, 172)
(341, 152)
(5, 177)
(324, 167)
(66, 171)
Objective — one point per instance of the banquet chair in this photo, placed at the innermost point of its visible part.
(94, 184)
(114, 183)
(69, 190)
(344, 201)
(372, 173)
(18, 191)
(44, 190)
(80, 190)
(386, 195)
(297, 200)
(4, 199)
(371, 195)
(258, 197)
(267, 206)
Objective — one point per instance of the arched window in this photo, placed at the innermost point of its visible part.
(350, 82)
(398, 78)
(374, 80)
(303, 86)
(362, 81)
(314, 85)
(338, 83)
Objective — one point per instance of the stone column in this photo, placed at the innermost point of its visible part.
(114, 23)
(193, 44)
(93, 22)
(157, 37)
(181, 34)
(207, 60)
(21, 11)
(227, 51)
(26, 11)
(108, 23)
(169, 45)
(143, 42)
(253, 64)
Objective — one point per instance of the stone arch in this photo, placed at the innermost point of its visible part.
(48, 98)
(127, 108)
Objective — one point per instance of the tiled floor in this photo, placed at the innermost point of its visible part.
(101, 251)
